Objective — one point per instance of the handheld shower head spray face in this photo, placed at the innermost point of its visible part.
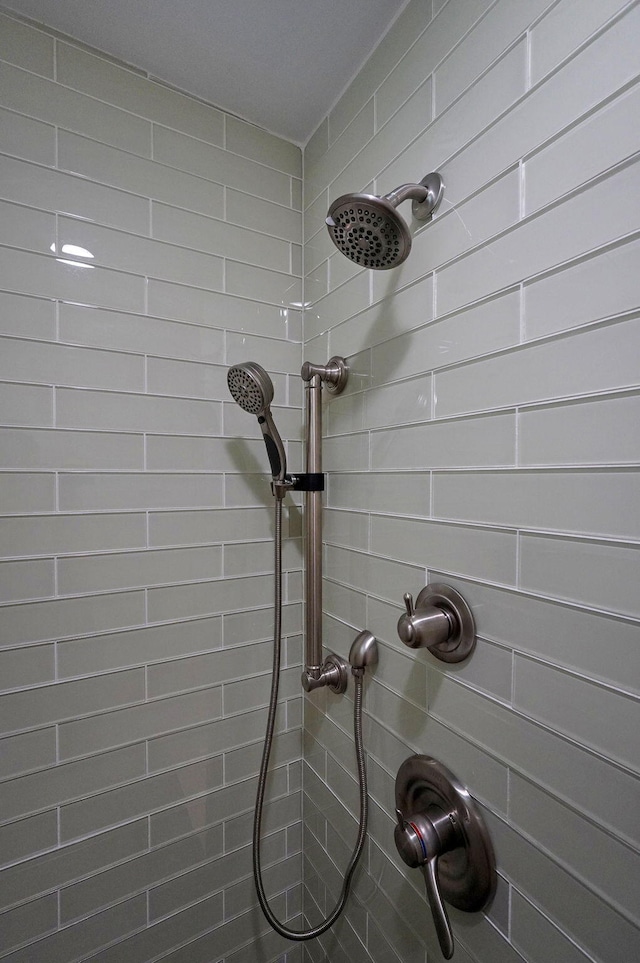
(368, 229)
(252, 388)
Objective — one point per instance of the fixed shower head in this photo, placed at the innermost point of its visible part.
(252, 388)
(368, 229)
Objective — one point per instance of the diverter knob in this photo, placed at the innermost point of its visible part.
(440, 621)
(441, 832)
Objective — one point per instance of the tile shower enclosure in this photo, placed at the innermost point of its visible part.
(488, 438)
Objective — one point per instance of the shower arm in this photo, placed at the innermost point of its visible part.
(316, 673)
(414, 192)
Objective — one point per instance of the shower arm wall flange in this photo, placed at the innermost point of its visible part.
(423, 209)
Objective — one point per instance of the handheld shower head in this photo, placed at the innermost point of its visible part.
(368, 229)
(252, 388)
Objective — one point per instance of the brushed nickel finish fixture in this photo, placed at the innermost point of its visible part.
(369, 230)
(364, 651)
(440, 830)
(441, 622)
(334, 673)
(334, 376)
(251, 387)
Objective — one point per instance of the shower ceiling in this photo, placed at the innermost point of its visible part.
(278, 63)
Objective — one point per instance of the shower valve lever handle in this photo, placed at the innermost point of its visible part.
(440, 831)
(420, 840)
(438, 911)
(408, 603)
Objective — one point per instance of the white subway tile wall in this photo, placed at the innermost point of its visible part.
(134, 594)
(489, 439)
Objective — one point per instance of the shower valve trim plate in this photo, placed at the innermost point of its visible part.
(441, 621)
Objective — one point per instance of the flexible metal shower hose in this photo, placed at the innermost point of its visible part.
(264, 765)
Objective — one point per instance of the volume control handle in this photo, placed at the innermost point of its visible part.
(440, 621)
(439, 913)
(420, 840)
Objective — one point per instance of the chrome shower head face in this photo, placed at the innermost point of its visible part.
(250, 386)
(369, 231)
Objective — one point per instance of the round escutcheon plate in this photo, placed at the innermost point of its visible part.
(466, 874)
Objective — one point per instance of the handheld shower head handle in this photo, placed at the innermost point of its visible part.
(273, 444)
(252, 388)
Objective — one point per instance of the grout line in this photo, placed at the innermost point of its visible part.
(522, 321)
